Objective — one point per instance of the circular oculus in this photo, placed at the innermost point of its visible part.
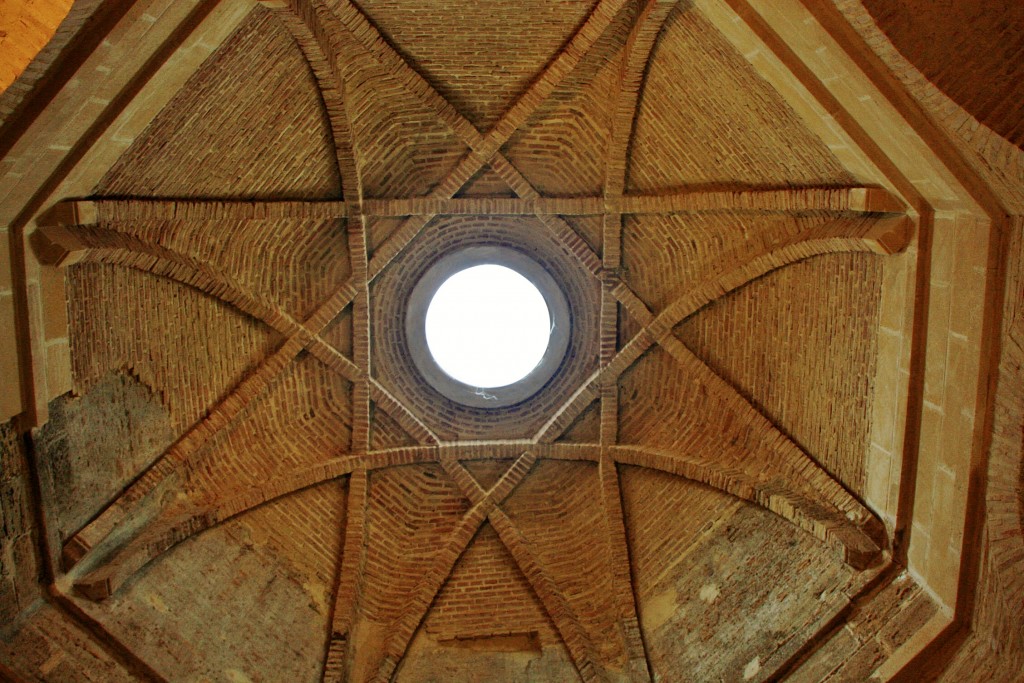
(487, 326)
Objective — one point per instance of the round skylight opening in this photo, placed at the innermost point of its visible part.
(488, 326)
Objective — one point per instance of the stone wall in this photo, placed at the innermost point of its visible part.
(19, 542)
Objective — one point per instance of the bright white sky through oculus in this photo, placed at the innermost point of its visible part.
(488, 326)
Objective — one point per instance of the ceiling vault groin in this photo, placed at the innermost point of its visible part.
(165, 506)
(657, 330)
(757, 235)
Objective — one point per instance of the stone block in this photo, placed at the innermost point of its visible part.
(10, 396)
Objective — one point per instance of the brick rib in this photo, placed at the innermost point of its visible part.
(302, 20)
(142, 502)
(66, 246)
(562, 615)
(590, 390)
(872, 235)
(357, 244)
(309, 21)
(637, 53)
(147, 498)
(841, 200)
(622, 578)
(564, 63)
(336, 361)
(483, 149)
(347, 594)
(580, 648)
(639, 46)
(454, 545)
(172, 526)
(809, 499)
(784, 481)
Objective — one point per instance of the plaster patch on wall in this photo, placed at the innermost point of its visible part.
(751, 669)
(156, 602)
(318, 595)
(236, 676)
(95, 444)
(660, 609)
(710, 593)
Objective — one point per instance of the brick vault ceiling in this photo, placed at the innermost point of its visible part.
(691, 478)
